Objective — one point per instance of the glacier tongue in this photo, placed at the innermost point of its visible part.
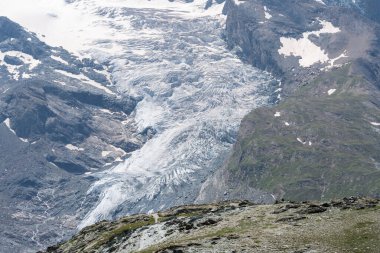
(194, 94)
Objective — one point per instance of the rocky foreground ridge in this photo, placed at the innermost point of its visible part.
(348, 225)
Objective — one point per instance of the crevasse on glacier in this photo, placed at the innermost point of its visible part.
(194, 92)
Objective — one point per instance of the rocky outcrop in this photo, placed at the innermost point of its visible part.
(321, 140)
(238, 226)
(267, 34)
(73, 121)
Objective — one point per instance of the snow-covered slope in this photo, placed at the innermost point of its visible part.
(78, 25)
(194, 91)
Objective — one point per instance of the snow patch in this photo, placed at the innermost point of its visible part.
(60, 82)
(375, 123)
(18, 70)
(59, 59)
(301, 141)
(7, 123)
(106, 111)
(73, 148)
(333, 61)
(331, 91)
(304, 142)
(119, 150)
(304, 48)
(267, 15)
(238, 2)
(26, 58)
(320, 1)
(27, 76)
(106, 153)
(86, 80)
(23, 139)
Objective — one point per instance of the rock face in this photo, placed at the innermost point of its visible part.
(322, 139)
(348, 225)
(60, 120)
(298, 41)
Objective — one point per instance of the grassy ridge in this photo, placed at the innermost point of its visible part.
(342, 157)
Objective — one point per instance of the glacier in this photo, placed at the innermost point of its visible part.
(193, 90)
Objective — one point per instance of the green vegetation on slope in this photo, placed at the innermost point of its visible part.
(320, 147)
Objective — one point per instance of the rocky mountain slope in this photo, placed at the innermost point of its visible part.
(61, 120)
(322, 139)
(348, 225)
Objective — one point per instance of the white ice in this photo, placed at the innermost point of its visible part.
(61, 24)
